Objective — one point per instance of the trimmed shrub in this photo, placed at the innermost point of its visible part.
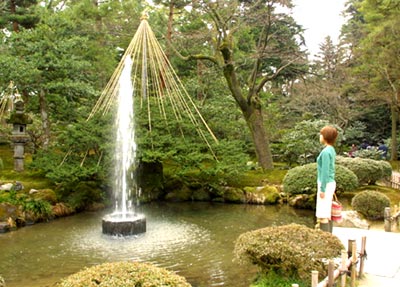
(371, 204)
(123, 274)
(303, 179)
(368, 171)
(45, 194)
(290, 250)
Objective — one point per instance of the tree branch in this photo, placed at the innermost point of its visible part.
(268, 78)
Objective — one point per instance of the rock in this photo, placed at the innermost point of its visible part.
(351, 218)
(18, 186)
(234, 195)
(6, 186)
(262, 195)
(302, 201)
(8, 210)
(3, 229)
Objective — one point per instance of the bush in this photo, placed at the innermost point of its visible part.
(303, 179)
(271, 279)
(123, 274)
(371, 204)
(290, 251)
(301, 144)
(79, 196)
(368, 171)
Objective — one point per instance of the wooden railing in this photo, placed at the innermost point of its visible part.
(390, 219)
(349, 261)
(395, 180)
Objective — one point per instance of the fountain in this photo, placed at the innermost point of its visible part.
(144, 70)
(124, 221)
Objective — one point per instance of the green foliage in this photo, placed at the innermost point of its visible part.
(371, 204)
(368, 171)
(303, 179)
(45, 194)
(290, 250)
(80, 195)
(40, 208)
(301, 144)
(271, 279)
(355, 133)
(371, 153)
(122, 274)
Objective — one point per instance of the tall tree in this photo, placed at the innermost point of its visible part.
(56, 67)
(253, 45)
(16, 13)
(323, 93)
(377, 57)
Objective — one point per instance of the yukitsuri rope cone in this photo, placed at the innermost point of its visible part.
(153, 75)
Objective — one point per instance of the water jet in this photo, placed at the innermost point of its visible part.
(146, 73)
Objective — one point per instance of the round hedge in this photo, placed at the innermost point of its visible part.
(303, 179)
(290, 250)
(371, 204)
(368, 171)
(123, 274)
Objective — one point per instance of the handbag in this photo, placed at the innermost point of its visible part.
(336, 211)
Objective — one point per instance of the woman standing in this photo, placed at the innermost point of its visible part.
(326, 178)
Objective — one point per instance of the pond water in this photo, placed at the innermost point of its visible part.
(196, 240)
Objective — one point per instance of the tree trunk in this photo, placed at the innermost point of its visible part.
(169, 26)
(395, 114)
(252, 113)
(13, 11)
(45, 119)
(261, 142)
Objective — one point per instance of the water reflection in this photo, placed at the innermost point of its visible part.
(194, 239)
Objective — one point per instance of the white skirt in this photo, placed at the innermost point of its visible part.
(324, 205)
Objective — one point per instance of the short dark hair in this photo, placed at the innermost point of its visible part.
(330, 134)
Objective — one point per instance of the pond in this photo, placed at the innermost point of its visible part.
(196, 240)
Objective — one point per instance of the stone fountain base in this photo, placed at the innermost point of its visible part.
(124, 224)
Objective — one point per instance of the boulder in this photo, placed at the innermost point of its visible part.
(6, 186)
(351, 218)
(302, 201)
(262, 195)
(4, 227)
(7, 211)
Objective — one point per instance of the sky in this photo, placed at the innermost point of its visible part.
(320, 18)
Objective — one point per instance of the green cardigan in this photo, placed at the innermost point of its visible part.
(326, 166)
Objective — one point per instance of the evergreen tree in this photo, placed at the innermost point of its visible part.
(16, 13)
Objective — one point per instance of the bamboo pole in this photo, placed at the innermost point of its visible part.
(362, 256)
(331, 269)
(353, 264)
(388, 223)
(314, 278)
(350, 247)
(343, 268)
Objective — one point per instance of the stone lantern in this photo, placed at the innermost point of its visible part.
(19, 137)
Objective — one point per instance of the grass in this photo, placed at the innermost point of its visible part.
(29, 179)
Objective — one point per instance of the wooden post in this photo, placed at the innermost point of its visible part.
(343, 267)
(362, 256)
(350, 247)
(388, 223)
(353, 264)
(331, 269)
(314, 278)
